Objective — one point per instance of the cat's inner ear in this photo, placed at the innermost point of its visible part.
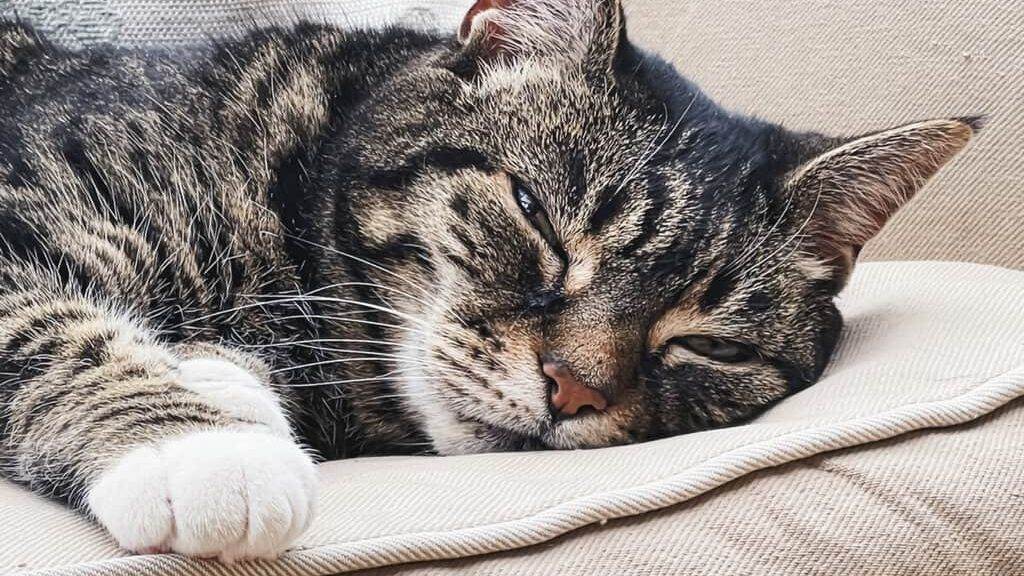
(845, 194)
(585, 32)
(478, 25)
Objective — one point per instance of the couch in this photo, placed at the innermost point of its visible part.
(905, 459)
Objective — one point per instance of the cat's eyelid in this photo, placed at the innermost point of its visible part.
(539, 219)
(752, 352)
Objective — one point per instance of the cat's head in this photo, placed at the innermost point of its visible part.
(581, 250)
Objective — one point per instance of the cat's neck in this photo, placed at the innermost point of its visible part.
(306, 107)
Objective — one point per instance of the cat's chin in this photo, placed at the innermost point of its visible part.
(454, 434)
(453, 431)
(481, 438)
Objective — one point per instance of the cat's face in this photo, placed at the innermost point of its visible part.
(582, 251)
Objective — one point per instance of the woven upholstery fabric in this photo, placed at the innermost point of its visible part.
(928, 345)
(142, 23)
(840, 67)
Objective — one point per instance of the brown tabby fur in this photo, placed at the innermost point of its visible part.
(335, 211)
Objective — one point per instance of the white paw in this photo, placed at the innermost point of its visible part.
(235, 391)
(225, 494)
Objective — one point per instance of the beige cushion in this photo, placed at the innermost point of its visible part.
(916, 506)
(928, 345)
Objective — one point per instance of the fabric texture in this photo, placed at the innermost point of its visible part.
(936, 503)
(142, 23)
(928, 345)
(837, 67)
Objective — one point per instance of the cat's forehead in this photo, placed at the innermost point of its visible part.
(631, 170)
(558, 125)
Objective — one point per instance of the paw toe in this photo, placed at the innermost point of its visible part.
(130, 500)
(230, 495)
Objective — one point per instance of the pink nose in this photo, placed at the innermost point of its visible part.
(569, 395)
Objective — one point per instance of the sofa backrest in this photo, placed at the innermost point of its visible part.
(851, 66)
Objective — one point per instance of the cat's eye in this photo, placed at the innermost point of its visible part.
(715, 348)
(535, 214)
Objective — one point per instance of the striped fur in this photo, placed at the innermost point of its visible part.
(312, 237)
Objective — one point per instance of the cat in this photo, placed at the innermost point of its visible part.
(220, 264)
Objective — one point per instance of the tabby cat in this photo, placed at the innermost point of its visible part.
(221, 264)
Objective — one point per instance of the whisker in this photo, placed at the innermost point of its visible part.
(240, 308)
(366, 262)
(368, 356)
(311, 297)
(351, 321)
(785, 244)
(332, 341)
(433, 300)
(369, 305)
(365, 380)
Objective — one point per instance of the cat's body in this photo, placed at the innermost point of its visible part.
(395, 242)
(155, 180)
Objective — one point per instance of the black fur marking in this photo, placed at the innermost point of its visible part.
(39, 326)
(463, 237)
(287, 197)
(147, 419)
(459, 205)
(53, 396)
(718, 290)
(462, 264)
(578, 181)
(153, 404)
(657, 195)
(448, 160)
(19, 239)
(93, 351)
(21, 175)
(610, 209)
(546, 301)
(401, 248)
(480, 326)
(759, 302)
(95, 184)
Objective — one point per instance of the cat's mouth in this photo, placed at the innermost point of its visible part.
(505, 440)
(459, 425)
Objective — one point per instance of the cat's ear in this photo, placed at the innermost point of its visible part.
(848, 189)
(584, 32)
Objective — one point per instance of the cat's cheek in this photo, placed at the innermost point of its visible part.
(218, 494)
(448, 435)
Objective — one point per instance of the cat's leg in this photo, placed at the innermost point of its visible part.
(173, 448)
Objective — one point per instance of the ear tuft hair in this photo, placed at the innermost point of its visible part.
(849, 192)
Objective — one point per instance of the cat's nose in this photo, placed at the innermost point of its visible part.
(568, 395)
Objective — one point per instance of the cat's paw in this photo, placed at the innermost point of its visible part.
(224, 494)
(235, 391)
